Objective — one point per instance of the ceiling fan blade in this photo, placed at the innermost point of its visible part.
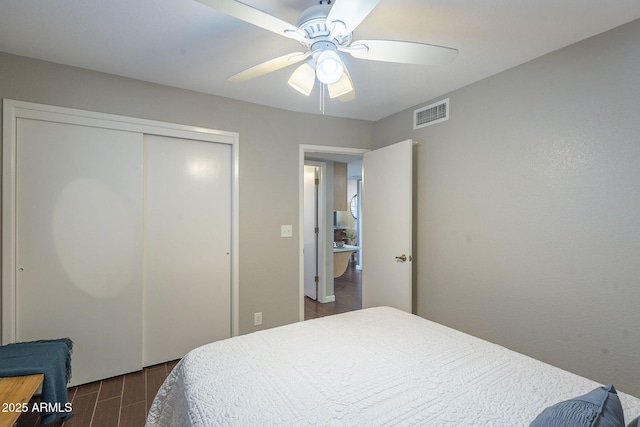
(346, 15)
(269, 66)
(255, 16)
(342, 87)
(402, 52)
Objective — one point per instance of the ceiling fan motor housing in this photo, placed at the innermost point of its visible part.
(313, 21)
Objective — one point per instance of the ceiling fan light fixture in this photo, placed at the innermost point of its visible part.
(303, 79)
(343, 86)
(329, 67)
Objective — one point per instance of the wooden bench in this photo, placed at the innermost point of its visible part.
(15, 392)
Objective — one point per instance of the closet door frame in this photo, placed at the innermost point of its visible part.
(14, 110)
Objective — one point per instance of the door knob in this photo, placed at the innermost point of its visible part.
(403, 258)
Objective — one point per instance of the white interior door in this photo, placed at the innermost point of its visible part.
(187, 268)
(310, 235)
(387, 192)
(79, 243)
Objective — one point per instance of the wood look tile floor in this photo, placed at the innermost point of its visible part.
(122, 401)
(348, 292)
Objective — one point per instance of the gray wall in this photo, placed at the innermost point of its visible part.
(269, 140)
(529, 208)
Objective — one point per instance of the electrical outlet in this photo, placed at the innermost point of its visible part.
(257, 319)
(286, 231)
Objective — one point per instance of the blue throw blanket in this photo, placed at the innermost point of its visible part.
(49, 357)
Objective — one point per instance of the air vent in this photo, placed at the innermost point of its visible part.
(431, 114)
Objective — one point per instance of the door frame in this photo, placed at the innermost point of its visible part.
(13, 110)
(303, 150)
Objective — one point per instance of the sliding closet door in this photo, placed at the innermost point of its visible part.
(187, 267)
(78, 243)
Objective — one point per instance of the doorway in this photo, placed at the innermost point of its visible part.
(342, 293)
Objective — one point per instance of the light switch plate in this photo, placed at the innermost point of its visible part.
(286, 231)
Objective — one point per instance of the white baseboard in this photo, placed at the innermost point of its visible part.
(328, 298)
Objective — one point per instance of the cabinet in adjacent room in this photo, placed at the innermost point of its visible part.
(340, 186)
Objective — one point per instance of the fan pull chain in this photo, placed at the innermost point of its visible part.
(322, 85)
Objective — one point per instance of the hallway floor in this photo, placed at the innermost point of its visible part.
(348, 292)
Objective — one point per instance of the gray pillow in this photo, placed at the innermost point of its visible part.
(634, 423)
(598, 408)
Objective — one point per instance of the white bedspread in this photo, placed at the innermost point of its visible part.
(374, 367)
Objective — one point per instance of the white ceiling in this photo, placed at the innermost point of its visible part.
(185, 44)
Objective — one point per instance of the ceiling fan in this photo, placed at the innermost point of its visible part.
(326, 30)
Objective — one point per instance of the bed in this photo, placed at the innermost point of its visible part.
(373, 367)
